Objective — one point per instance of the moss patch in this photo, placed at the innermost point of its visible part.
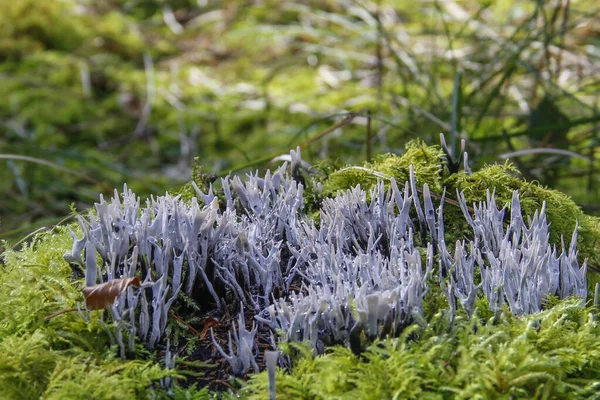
(65, 357)
(425, 159)
(554, 354)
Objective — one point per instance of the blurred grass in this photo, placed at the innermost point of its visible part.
(131, 90)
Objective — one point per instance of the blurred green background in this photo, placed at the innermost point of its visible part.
(94, 94)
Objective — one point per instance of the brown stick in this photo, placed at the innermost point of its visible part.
(56, 314)
(190, 328)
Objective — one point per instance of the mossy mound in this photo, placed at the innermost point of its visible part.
(501, 179)
(554, 353)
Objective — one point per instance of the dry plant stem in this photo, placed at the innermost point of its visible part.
(42, 229)
(150, 95)
(52, 165)
(56, 314)
(446, 199)
(369, 135)
(348, 119)
(190, 328)
(345, 121)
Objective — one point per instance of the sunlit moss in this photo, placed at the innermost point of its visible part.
(552, 354)
(65, 357)
(425, 160)
(78, 377)
(26, 361)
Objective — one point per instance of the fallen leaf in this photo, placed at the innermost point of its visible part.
(210, 322)
(98, 297)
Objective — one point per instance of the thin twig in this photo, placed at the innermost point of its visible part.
(347, 120)
(150, 95)
(50, 164)
(190, 328)
(42, 229)
(369, 136)
(56, 314)
(545, 150)
(380, 73)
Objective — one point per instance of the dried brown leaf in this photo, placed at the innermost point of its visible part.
(98, 297)
(210, 322)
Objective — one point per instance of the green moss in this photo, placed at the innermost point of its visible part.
(36, 282)
(29, 26)
(65, 357)
(32, 369)
(554, 354)
(425, 160)
(26, 362)
(78, 378)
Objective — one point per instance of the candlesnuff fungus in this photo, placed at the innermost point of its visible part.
(361, 271)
